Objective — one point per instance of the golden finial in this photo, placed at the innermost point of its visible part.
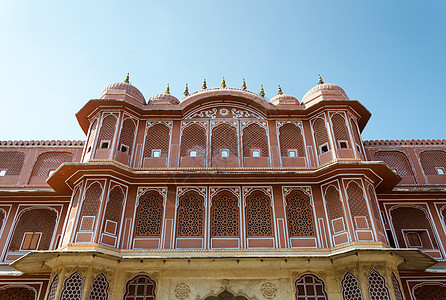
(204, 85)
(244, 85)
(279, 92)
(262, 92)
(320, 80)
(186, 91)
(127, 79)
(223, 83)
(167, 90)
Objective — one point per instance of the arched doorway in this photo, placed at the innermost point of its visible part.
(226, 295)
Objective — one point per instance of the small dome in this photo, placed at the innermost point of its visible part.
(284, 99)
(163, 99)
(325, 91)
(123, 91)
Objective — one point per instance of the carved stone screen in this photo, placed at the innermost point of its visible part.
(72, 289)
(299, 214)
(39, 220)
(17, 293)
(377, 286)
(190, 215)
(149, 215)
(254, 137)
(99, 289)
(290, 137)
(225, 215)
(157, 138)
(193, 138)
(258, 215)
(12, 162)
(350, 287)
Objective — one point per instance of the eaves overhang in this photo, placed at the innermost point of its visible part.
(68, 174)
(77, 254)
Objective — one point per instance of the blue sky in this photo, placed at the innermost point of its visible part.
(56, 55)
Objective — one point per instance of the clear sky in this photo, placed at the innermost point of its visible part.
(56, 55)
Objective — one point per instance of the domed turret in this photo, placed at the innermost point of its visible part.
(164, 98)
(324, 91)
(123, 91)
(282, 98)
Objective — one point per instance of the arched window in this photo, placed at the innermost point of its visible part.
(127, 136)
(99, 288)
(358, 206)
(434, 290)
(72, 216)
(321, 136)
(225, 215)
(149, 215)
(340, 131)
(255, 139)
(140, 287)
(396, 160)
(291, 139)
(193, 141)
(350, 287)
(157, 141)
(50, 161)
(2, 218)
(72, 287)
(417, 223)
(53, 288)
(113, 213)
(376, 211)
(190, 215)
(356, 134)
(11, 162)
(107, 132)
(90, 207)
(335, 209)
(92, 136)
(377, 286)
(258, 215)
(299, 214)
(224, 141)
(310, 287)
(397, 288)
(433, 162)
(34, 230)
(13, 293)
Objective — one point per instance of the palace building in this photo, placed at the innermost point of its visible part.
(223, 196)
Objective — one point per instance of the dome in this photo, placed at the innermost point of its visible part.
(123, 91)
(163, 99)
(325, 91)
(284, 99)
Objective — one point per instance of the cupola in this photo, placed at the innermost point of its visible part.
(282, 98)
(324, 91)
(123, 91)
(164, 98)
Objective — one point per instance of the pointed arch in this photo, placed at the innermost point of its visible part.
(72, 287)
(140, 287)
(99, 288)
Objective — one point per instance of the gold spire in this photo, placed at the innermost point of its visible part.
(262, 92)
(204, 85)
(223, 83)
(186, 91)
(127, 79)
(320, 80)
(279, 92)
(167, 90)
(244, 85)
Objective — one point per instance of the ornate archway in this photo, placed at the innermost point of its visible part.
(226, 295)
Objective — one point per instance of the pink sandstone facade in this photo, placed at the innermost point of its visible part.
(223, 195)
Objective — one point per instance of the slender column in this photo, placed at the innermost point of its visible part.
(87, 282)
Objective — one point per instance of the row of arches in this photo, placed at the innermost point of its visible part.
(11, 163)
(204, 143)
(307, 287)
(432, 162)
